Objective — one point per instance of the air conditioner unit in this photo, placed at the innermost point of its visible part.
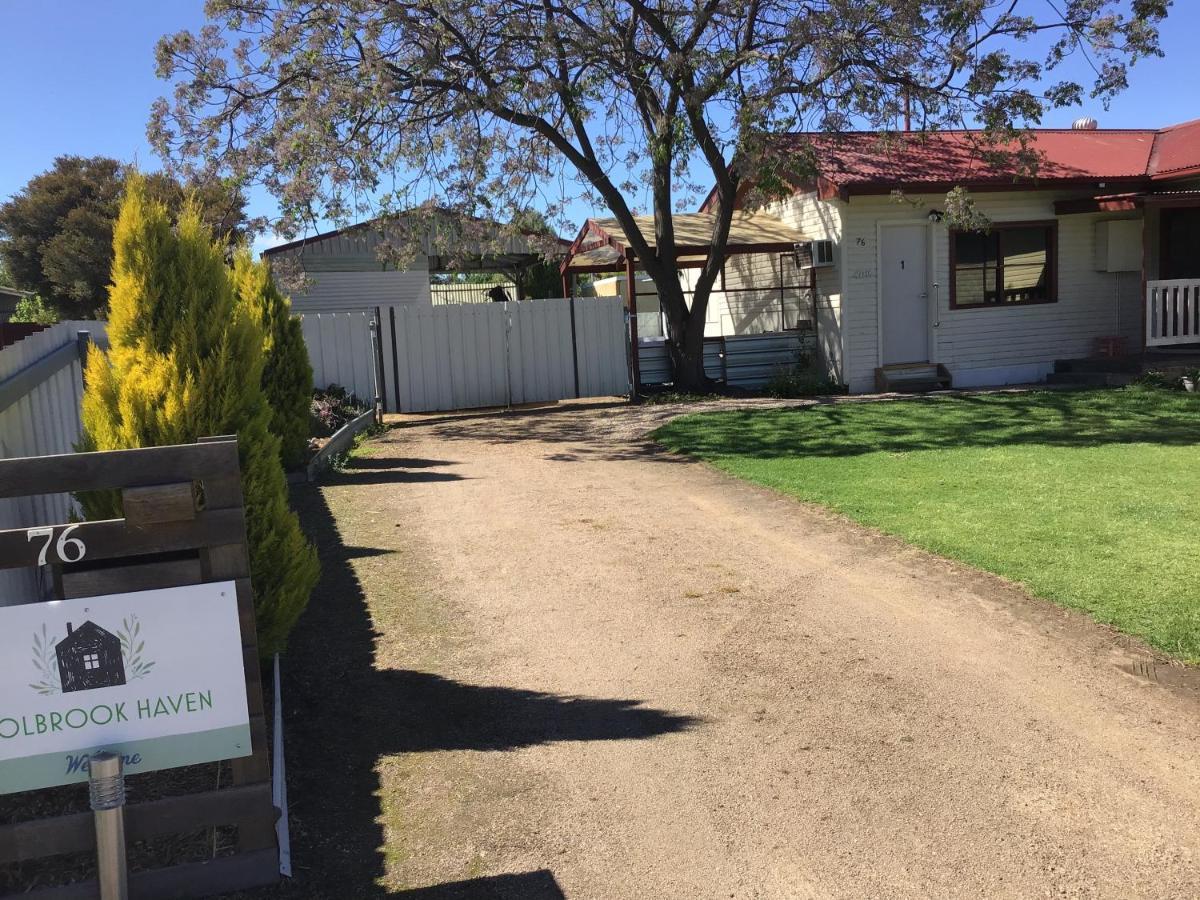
(814, 254)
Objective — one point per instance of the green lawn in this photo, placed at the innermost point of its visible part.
(1090, 499)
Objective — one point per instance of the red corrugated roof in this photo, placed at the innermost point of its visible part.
(1176, 150)
(860, 162)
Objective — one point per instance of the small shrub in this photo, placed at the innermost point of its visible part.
(793, 382)
(34, 311)
(1165, 381)
(332, 408)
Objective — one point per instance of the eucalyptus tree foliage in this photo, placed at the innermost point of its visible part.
(348, 108)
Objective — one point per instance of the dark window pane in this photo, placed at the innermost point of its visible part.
(1181, 243)
(1025, 260)
(974, 248)
(973, 285)
(1004, 265)
(975, 268)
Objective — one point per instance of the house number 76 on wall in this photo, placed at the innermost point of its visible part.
(69, 549)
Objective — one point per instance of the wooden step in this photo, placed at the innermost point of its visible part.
(1091, 379)
(912, 377)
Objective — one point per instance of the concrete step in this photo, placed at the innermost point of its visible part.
(1091, 379)
(908, 386)
(912, 377)
(1126, 366)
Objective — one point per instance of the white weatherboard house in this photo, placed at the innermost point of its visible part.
(1102, 245)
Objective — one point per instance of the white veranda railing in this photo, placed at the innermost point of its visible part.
(1173, 312)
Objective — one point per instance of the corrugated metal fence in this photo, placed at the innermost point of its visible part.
(41, 386)
(747, 361)
(340, 351)
(466, 356)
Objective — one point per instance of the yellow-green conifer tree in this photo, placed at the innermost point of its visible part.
(185, 361)
(287, 375)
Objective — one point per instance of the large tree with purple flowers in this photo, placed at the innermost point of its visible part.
(347, 108)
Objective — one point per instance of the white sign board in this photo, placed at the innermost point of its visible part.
(156, 676)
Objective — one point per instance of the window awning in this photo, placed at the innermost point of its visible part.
(602, 245)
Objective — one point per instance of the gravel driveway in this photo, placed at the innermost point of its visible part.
(574, 665)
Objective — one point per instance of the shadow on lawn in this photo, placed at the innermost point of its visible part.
(1050, 418)
(342, 714)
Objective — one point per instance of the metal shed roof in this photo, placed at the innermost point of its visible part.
(450, 242)
(602, 244)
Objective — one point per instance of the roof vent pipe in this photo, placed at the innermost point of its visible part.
(1085, 123)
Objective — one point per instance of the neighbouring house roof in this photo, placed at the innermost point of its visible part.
(603, 246)
(13, 292)
(450, 242)
(9, 298)
(850, 163)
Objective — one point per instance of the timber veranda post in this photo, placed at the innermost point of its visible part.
(816, 314)
(631, 295)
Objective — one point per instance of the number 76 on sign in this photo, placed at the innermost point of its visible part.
(68, 549)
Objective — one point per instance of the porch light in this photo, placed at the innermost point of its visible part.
(935, 216)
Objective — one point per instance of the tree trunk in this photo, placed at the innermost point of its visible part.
(687, 358)
(685, 338)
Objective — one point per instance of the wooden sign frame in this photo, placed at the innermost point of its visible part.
(158, 486)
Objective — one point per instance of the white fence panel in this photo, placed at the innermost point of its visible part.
(540, 361)
(478, 355)
(602, 347)
(39, 416)
(473, 355)
(339, 350)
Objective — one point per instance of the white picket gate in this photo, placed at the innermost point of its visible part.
(473, 355)
(41, 385)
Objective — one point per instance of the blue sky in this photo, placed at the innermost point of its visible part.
(77, 77)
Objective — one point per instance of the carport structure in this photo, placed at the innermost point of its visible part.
(603, 246)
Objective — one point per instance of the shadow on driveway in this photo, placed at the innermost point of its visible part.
(342, 714)
(539, 885)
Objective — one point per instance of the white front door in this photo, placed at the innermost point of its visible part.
(903, 263)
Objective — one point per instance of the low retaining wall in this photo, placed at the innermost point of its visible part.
(341, 441)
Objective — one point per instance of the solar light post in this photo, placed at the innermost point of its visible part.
(106, 788)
